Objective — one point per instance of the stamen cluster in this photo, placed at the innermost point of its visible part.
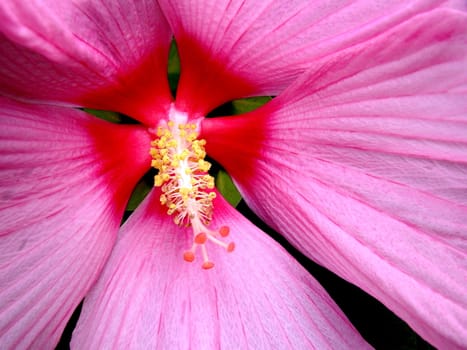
(186, 186)
(183, 178)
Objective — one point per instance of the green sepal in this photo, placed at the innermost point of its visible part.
(139, 193)
(249, 104)
(112, 117)
(227, 188)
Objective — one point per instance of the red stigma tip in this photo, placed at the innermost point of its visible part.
(188, 256)
(224, 231)
(201, 238)
(231, 247)
(208, 265)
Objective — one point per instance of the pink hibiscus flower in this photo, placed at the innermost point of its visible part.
(360, 161)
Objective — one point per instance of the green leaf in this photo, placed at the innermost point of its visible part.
(227, 188)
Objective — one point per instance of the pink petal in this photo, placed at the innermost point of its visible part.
(232, 49)
(102, 54)
(65, 178)
(256, 297)
(362, 165)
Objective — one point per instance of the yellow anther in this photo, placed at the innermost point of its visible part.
(156, 163)
(185, 153)
(185, 190)
(192, 136)
(166, 159)
(199, 153)
(158, 181)
(203, 165)
(210, 183)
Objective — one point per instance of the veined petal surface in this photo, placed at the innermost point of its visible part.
(256, 297)
(102, 54)
(362, 164)
(65, 177)
(233, 49)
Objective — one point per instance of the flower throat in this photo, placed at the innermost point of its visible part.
(187, 188)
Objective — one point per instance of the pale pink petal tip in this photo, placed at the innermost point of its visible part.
(62, 195)
(255, 297)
